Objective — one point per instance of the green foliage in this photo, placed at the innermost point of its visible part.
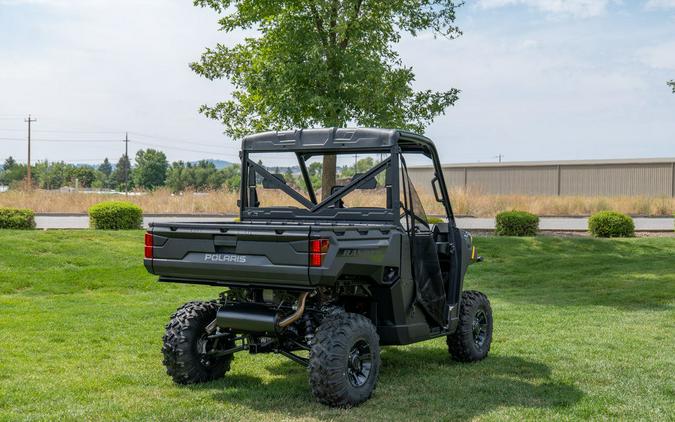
(323, 62)
(435, 220)
(122, 174)
(362, 166)
(106, 168)
(611, 224)
(115, 215)
(202, 176)
(516, 223)
(104, 175)
(53, 175)
(12, 172)
(85, 176)
(15, 218)
(9, 163)
(151, 168)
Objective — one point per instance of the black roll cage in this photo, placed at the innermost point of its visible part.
(399, 143)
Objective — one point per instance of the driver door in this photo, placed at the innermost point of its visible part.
(424, 257)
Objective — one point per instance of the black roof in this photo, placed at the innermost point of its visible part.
(332, 139)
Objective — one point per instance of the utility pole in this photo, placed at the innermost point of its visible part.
(126, 170)
(499, 157)
(29, 120)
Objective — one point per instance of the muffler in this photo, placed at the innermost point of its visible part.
(256, 318)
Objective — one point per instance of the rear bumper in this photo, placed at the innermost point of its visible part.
(245, 284)
(252, 273)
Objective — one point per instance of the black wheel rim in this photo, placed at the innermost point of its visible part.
(480, 328)
(359, 363)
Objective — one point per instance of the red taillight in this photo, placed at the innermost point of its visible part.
(315, 260)
(148, 245)
(317, 250)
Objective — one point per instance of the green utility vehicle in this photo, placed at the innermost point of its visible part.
(324, 283)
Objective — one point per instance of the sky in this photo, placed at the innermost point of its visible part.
(539, 80)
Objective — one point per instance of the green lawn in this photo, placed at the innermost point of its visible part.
(584, 329)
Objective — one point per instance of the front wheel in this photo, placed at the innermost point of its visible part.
(186, 345)
(471, 341)
(344, 360)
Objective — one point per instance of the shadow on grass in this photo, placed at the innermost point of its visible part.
(418, 382)
(622, 273)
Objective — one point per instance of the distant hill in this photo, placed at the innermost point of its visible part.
(220, 164)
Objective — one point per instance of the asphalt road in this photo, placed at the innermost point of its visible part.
(656, 224)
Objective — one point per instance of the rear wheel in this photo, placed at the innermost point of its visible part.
(344, 360)
(471, 341)
(186, 344)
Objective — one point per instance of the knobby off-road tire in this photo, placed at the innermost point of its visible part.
(185, 342)
(344, 360)
(471, 342)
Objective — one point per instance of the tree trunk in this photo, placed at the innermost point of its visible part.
(328, 178)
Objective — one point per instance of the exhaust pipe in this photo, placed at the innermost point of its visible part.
(254, 318)
(298, 312)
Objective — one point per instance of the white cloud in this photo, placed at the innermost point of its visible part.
(660, 56)
(577, 8)
(660, 4)
(109, 66)
(553, 91)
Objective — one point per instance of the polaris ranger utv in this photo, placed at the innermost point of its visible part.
(324, 283)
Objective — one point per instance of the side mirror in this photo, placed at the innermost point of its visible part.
(434, 183)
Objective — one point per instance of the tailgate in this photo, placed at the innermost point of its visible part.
(230, 253)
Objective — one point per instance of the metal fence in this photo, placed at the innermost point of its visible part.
(638, 177)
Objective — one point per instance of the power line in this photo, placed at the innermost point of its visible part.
(87, 132)
(80, 161)
(62, 140)
(160, 138)
(78, 140)
(149, 144)
(101, 132)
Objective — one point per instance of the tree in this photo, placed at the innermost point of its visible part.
(362, 166)
(314, 169)
(10, 162)
(671, 83)
(53, 175)
(232, 177)
(323, 62)
(85, 176)
(122, 174)
(151, 167)
(103, 175)
(12, 172)
(105, 167)
(175, 179)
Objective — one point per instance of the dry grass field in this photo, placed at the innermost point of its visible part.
(465, 202)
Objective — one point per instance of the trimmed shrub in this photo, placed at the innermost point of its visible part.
(115, 215)
(435, 220)
(15, 218)
(516, 223)
(611, 224)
